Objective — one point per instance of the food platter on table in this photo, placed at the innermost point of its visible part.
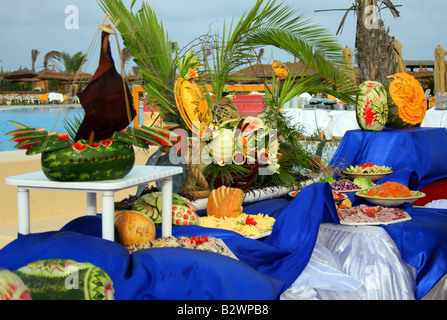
(367, 170)
(372, 216)
(390, 201)
(373, 176)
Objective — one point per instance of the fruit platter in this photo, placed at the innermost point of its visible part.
(367, 170)
(390, 194)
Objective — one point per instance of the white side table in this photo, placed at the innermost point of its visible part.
(138, 176)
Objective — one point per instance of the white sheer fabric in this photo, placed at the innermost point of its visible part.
(354, 262)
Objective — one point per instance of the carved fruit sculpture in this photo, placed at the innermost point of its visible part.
(372, 108)
(407, 103)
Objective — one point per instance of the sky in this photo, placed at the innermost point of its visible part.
(48, 25)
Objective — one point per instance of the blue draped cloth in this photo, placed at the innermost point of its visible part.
(265, 268)
(421, 150)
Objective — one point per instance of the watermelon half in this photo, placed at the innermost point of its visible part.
(372, 106)
(106, 160)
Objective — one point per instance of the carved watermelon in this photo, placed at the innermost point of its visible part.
(61, 279)
(407, 103)
(12, 287)
(106, 160)
(372, 107)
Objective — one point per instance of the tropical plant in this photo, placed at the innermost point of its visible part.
(375, 48)
(34, 55)
(73, 62)
(280, 26)
(51, 56)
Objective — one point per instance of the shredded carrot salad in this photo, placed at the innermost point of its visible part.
(387, 189)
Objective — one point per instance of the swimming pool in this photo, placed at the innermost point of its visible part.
(52, 118)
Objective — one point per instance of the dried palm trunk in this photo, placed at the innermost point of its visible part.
(375, 48)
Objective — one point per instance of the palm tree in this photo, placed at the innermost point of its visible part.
(73, 63)
(34, 54)
(51, 56)
(375, 48)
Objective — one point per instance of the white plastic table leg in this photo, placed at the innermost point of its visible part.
(23, 210)
(108, 216)
(166, 203)
(91, 204)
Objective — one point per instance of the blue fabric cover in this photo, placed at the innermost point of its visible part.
(265, 268)
(421, 150)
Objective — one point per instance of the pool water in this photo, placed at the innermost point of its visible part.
(48, 117)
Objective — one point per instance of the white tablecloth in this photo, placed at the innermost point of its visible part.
(435, 118)
(53, 96)
(354, 262)
(333, 123)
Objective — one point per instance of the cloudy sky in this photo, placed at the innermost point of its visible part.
(42, 25)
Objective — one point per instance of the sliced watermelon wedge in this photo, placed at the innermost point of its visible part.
(127, 138)
(18, 125)
(52, 143)
(163, 131)
(30, 135)
(170, 125)
(149, 139)
(162, 139)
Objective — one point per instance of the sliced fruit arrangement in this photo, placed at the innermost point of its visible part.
(63, 160)
(39, 140)
(368, 168)
(183, 211)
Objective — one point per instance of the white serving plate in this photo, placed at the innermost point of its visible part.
(390, 202)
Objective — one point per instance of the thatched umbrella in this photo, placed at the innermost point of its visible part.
(79, 77)
(348, 63)
(51, 75)
(398, 59)
(20, 75)
(440, 70)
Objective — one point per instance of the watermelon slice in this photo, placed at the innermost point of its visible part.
(54, 142)
(161, 138)
(127, 138)
(18, 125)
(149, 139)
(171, 125)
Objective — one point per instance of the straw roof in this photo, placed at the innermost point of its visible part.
(20, 75)
(79, 76)
(51, 75)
